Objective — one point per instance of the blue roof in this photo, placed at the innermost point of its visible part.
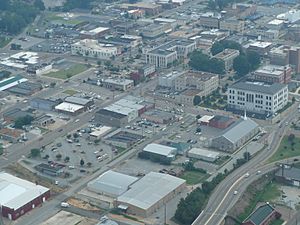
(260, 214)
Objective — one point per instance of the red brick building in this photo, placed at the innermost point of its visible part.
(18, 196)
(263, 215)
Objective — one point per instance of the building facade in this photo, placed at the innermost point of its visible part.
(94, 49)
(210, 20)
(274, 74)
(118, 84)
(227, 56)
(233, 24)
(257, 97)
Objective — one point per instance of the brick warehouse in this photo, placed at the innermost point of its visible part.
(18, 196)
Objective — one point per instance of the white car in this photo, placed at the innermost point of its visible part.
(247, 175)
(235, 192)
(77, 120)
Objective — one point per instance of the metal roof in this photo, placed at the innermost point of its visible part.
(290, 173)
(204, 152)
(111, 183)
(150, 189)
(239, 130)
(160, 149)
(77, 100)
(68, 107)
(15, 192)
(259, 87)
(260, 214)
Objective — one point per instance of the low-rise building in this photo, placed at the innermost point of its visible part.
(257, 97)
(111, 183)
(210, 20)
(165, 55)
(118, 84)
(187, 96)
(227, 56)
(69, 108)
(150, 193)
(11, 135)
(43, 120)
(288, 175)
(260, 47)
(94, 33)
(220, 122)
(110, 118)
(147, 70)
(52, 170)
(94, 49)
(157, 116)
(18, 196)
(25, 88)
(236, 135)
(262, 215)
(273, 74)
(123, 139)
(155, 30)
(233, 24)
(149, 8)
(43, 104)
(203, 81)
(168, 80)
(203, 154)
(161, 151)
(86, 103)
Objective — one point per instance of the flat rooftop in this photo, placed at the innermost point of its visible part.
(159, 149)
(150, 189)
(204, 152)
(259, 87)
(68, 107)
(16, 192)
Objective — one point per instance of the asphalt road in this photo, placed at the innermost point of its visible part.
(222, 197)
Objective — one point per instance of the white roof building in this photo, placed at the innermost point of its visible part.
(16, 192)
(111, 183)
(68, 107)
(160, 150)
(147, 194)
(204, 154)
(100, 131)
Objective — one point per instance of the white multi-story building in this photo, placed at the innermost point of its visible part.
(163, 56)
(257, 97)
(94, 49)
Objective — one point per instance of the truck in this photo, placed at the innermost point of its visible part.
(65, 205)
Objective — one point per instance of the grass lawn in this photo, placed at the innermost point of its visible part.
(194, 177)
(69, 72)
(277, 222)
(70, 92)
(4, 41)
(286, 150)
(271, 193)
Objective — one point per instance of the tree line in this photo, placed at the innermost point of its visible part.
(15, 15)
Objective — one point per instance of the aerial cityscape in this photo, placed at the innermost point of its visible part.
(149, 112)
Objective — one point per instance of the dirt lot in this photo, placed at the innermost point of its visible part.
(67, 218)
(81, 204)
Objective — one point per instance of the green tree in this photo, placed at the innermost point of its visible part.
(197, 100)
(58, 156)
(67, 159)
(212, 5)
(216, 66)
(241, 65)
(22, 121)
(253, 59)
(216, 48)
(81, 162)
(39, 4)
(35, 152)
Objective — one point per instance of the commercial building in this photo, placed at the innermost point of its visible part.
(52, 170)
(43, 104)
(147, 70)
(203, 154)
(233, 24)
(14, 114)
(155, 30)
(118, 84)
(11, 82)
(149, 8)
(165, 55)
(168, 80)
(236, 135)
(123, 139)
(11, 135)
(111, 184)
(205, 82)
(150, 193)
(18, 196)
(41, 69)
(284, 55)
(160, 151)
(43, 120)
(187, 96)
(262, 215)
(69, 108)
(257, 97)
(260, 47)
(86, 103)
(99, 132)
(227, 56)
(220, 122)
(157, 116)
(210, 20)
(111, 118)
(94, 49)
(273, 74)
(94, 33)
(288, 175)
(25, 88)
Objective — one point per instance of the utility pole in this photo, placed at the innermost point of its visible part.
(165, 213)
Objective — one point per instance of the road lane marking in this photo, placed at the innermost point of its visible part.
(232, 186)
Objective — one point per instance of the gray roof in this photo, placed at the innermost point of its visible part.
(239, 130)
(259, 87)
(260, 214)
(111, 183)
(150, 189)
(291, 173)
(77, 100)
